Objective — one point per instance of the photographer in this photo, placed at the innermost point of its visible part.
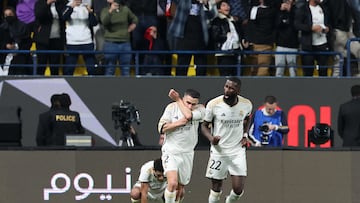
(269, 124)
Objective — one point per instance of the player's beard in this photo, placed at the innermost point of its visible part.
(230, 99)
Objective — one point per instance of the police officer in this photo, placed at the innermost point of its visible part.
(57, 122)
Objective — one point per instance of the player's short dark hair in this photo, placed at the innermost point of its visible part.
(158, 165)
(192, 93)
(355, 90)
(270, 99)
(235, 80)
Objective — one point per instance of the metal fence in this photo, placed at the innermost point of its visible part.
(137, 64)
(348, 55)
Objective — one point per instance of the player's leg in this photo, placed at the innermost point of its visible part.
(170, 192)
(185, 166)
(171, 173)
(217, 172)
(215, 191)
(238, 172)
(180, 191)
(238, 183)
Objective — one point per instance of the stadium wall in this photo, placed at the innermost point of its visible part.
(274, 176)
(306, 101)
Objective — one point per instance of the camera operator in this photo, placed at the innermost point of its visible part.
(269, 124)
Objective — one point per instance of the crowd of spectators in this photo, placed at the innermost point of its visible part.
(116, 28)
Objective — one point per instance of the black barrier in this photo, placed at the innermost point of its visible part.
(306, 101)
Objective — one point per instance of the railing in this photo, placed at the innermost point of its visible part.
(348, 55)
(136, 54)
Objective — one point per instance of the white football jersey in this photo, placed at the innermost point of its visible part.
(228, 123)
(156, 187)
(184, 138)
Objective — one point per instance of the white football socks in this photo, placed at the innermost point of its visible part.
(134, 200)
(170, 196)
(214, 197)
(233, 197)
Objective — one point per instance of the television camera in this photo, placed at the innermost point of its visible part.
(123, 115)
(265, 133)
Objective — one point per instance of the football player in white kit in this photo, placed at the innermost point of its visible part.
(179, 123)
(225, 120)
(151, 184)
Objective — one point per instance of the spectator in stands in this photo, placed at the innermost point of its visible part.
(163, 22)
(286, 39)
(57, 122)
(226, 35)
(153, 63)
(355, 9)
(261, 33)
(49, 34)
(348, 119)
(98, 6)
(190, 30)
(312, 19)
(79, 36)
(25, 11)
(20, 39)
(99, 32)
(119, 21)
(4, 39)
(269, 124)
(341, 23)
(146, 12)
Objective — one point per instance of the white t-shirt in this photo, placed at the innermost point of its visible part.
(156, 187)
(318, 19)
(228, 123)
(77, 29)
(182, 139)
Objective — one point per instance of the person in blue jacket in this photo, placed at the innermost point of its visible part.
(269, 124)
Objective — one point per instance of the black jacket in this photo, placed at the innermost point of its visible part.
(219, 28)
(44, 19)
(349, 123)
(262, 29)
(286, 34)
(340, 14)
(4, 39)
(17, 32)
(303, 22)
(55, 124)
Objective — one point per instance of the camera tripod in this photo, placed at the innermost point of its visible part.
(126, 137)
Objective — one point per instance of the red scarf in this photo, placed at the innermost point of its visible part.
(148, 36)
